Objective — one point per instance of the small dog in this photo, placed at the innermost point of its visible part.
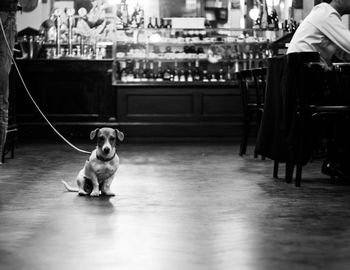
(98, 173)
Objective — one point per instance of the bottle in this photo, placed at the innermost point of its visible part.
(213, 78)
(182, 76)
(167, 74)
(159, 77)
(162, 25)
(189, 73)
(156, 26)
(176, 76)
(150, 25)
(205, 76)
(221, 76)
(264, 15)
(168, 25)
(144, 72)
(133, 23)
(125, 15)
(189, 76)
(274, 18)
(151, 71)
(123, 74)
(197, 75)
(136, 73)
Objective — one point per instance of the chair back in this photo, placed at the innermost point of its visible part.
(244, 78)
(259, 77)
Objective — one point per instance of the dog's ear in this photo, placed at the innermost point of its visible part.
(94, 133)
(120, 135)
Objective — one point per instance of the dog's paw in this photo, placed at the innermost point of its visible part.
(95, 193)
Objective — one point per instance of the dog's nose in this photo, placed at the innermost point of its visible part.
(106, 150)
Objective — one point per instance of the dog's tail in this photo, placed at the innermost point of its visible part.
(69, 188)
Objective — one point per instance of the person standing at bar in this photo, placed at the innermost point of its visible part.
(8, 10)
(323, 31)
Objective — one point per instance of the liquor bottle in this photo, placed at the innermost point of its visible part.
(150, 25)
(221, 76)
(274, 18)
(205, 76)
(166, 74)
(123, 74)
(133, 23)
(159, 77)
(182, 76)
(264, 15)
(144, 72)
(189, 73)
(151, 71)
(196, 75)
(136, 72)
(213, 78)
(125, 15)
(138, 12)
(176, 76)
(156, 25)
(168, 25)
(162, 25)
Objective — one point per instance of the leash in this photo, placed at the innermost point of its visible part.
(32, 99)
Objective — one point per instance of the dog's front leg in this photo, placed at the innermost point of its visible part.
(106, 187)
(95, 187)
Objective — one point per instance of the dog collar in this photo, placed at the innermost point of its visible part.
(105, 159)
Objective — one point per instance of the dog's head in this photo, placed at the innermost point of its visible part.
(106, 140)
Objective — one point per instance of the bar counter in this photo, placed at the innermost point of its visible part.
(78, 95)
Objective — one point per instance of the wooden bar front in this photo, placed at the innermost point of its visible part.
(78, 95)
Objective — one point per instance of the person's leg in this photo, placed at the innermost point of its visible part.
(8, 20)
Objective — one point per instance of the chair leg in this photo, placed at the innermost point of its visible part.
(298, 175)
(244, 139)
(275, 169)
(289, 172)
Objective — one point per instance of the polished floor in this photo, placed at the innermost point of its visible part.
(177, 206)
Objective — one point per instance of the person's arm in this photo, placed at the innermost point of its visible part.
(335, 30)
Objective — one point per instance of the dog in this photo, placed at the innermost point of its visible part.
(96, 177)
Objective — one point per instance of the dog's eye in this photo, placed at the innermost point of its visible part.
(112, 139)
(101, 138)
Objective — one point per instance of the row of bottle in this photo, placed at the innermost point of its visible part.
(147, 71)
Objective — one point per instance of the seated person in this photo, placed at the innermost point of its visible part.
(323, 31)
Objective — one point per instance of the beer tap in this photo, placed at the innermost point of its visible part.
(70, 12)
(57, 14)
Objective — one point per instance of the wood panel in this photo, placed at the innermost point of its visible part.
(196, 110)
(78, 96)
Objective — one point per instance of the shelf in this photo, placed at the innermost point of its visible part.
(182, 43)
(175, 84)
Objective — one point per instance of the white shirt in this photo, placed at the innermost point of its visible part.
(322, 31)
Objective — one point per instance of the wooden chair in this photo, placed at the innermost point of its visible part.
(252, 84)
(11, 140)
(313, 88)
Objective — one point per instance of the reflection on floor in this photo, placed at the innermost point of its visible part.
(178, 206)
